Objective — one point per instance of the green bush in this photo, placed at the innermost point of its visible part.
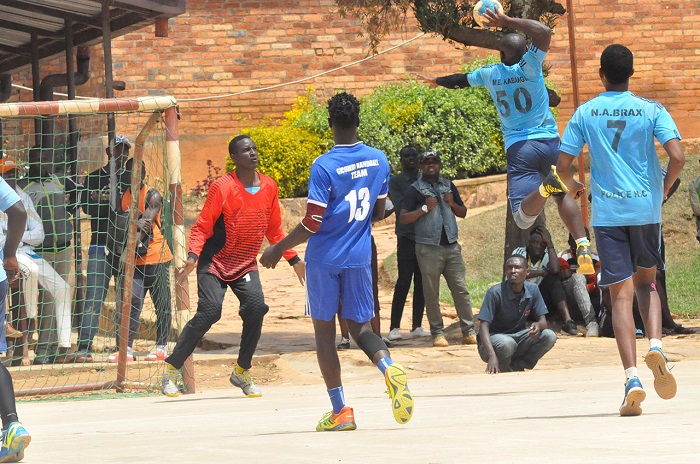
(462, 125)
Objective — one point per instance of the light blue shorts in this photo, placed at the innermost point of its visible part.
(329, 286)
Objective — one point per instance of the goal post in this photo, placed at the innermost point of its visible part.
(151, 125)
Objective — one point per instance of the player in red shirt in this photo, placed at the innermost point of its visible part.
(242, 208)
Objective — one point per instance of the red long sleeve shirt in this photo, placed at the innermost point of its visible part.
(230, 228)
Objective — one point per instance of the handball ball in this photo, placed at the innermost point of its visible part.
(481, 7)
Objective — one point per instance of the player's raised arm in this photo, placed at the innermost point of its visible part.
(540, 33)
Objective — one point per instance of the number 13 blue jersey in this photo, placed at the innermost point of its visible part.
(520, 96)
(346, 181)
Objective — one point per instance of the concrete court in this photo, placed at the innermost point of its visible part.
(567, 415)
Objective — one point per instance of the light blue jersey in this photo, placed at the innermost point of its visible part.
(626, 179)
(8, 197)
(520, 96)
(346, 181)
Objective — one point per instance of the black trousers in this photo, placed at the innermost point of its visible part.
(211, 291)
(408, 270)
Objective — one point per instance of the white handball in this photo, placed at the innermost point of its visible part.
(481, 7)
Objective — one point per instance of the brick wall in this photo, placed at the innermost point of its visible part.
(219, 47)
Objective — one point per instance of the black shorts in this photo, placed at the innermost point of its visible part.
(623, 249)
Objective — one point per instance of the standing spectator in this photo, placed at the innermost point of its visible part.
(101, 264)
(433, 204)
(406, 261)
(530, 132)
(628, 189)
(15, 437)
(242, 208)
(35, 269)
(513, 333)
(152, 269)
(53, 201)
(347, 189)
(694, 196)
(543, 270)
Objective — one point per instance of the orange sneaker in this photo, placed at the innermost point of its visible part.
(344, 420)
(158, 355)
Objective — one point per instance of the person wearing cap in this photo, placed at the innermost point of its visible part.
(102, 264)
(433, 203)
(54, 199)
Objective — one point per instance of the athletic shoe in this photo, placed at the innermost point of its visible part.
(114, 357)
(664, 382)
(394, 334)
(552, 184)
(158, 355)
(387, 342)
(570, 328)
(169, 384)
(344, 344)
(245, 382)
(344, 420)
(469, 339)
(634, 395)
(418, 332)
(592, 329)
(401, 398)
(638, 333)
(440, 342)
(584, 259)
(14, 441)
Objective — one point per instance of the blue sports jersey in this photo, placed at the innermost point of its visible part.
(520, 96)
(8, 197)
(346, 181)
(626, 179)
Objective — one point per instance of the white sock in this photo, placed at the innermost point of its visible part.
(631, 372)
(162, 348)
(655, 343)
(542, 192)
(583, 240)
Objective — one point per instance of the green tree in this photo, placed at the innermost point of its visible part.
(450, 19)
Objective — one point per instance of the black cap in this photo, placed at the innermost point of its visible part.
(430, 154)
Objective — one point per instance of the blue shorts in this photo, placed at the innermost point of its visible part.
(327, 286)
(625, 248)
(528, 163)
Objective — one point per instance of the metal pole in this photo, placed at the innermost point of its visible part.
(36, 85)
(571, 19)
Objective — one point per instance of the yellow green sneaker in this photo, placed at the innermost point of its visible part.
(401, 398)
(344, 420)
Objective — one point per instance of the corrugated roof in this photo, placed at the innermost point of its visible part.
(47, 19)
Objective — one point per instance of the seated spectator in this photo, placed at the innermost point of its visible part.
(694, 196)
(151, 273)
(433, 204)
(54, 199)
(513, 334)
(578, 286)
(543, 270)
(37, 271)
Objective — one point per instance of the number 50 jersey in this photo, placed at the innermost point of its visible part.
(347, 180)
(520, 96)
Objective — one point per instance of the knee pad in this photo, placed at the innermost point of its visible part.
(522, 220)
(370, 343)
(253, 311)
(210, 311)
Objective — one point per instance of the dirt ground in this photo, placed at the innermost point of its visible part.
(286, 350)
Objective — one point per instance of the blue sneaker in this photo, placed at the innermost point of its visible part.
(14, 441)
(634, 395)
(664, 382)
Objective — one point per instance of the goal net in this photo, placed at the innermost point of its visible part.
(97, 306)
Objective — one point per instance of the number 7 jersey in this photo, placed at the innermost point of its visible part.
(520, 96)
(346, 181)
(626, 179)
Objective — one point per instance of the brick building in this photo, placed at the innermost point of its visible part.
(224, 46)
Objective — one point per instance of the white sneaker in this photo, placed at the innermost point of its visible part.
(418, 332)
(169, 383)
(394, 334)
